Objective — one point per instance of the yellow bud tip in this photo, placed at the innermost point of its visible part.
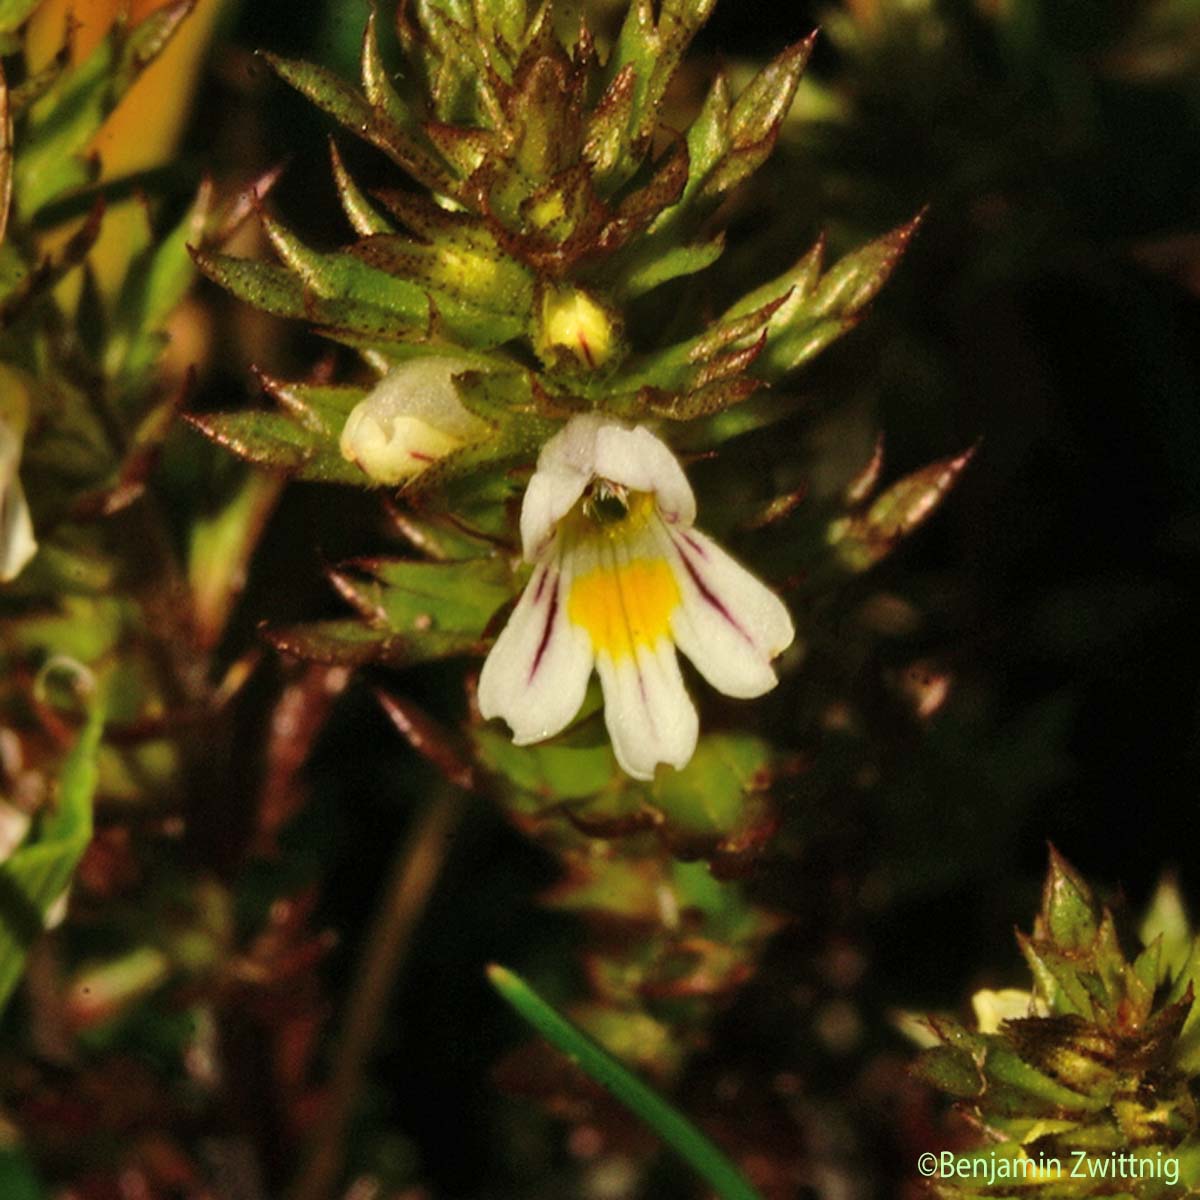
(571, 320)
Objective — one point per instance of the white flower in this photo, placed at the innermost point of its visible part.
(620, 580)
(17, 543)
(410, 419)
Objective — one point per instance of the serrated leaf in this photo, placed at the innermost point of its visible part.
(263, 285)
(358, 209)
(862, 540)
(646, 274)
(654, 49)
(719, 799)
(752, 126)
(951, 1070)
(410, 612)
(818, 309)
(277, 442)
(1068, 909)
(406, 596)
(354, 644)
(321, 408)
(337, 98)
(344, 277)
(38, 874)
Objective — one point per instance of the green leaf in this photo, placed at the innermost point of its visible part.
(13, 13)
(646, 273)
(337, 98)
(1167, 919)
(1068, 909)
(565, 769)
(63, 122)
(276, 441)
(273, 289)
(38, 874)
(156, 282)
(415, 597)
(321, 408)
(409, 612)
(344, 277)
(667, 1122)
(59, 128)
(653, 50)
(220, 548)
(377, 83)
(862, 540)
(358, 209)
(817, 309)
(719, 796)
(754, 121)
(951, 1070)
(351, 643)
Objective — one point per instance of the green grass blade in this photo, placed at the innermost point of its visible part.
(670, 1125)
(38, 873)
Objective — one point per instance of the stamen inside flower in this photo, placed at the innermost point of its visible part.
(605, 503)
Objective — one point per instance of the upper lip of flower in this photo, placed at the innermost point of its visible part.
(621, 595)
(592, 448)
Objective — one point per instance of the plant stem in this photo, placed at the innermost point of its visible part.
(413, 876)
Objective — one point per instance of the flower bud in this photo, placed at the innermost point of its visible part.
(572, 322)
(409, 420)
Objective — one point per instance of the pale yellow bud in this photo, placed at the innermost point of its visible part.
(571, 320)
(410, 419)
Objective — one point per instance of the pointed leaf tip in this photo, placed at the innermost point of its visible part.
(1068, 907)
(863, 539)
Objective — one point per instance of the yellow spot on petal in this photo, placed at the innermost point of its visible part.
(624, 607)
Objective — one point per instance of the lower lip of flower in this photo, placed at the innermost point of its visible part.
(625, 606)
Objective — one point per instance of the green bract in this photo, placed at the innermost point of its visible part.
(552, 201)
(1103, 1062)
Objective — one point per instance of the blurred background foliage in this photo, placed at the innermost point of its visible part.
(1025, 669)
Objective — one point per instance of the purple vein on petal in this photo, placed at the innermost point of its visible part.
(548, 628)
(708, 596)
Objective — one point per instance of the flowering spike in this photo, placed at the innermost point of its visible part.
(1086, 1072)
